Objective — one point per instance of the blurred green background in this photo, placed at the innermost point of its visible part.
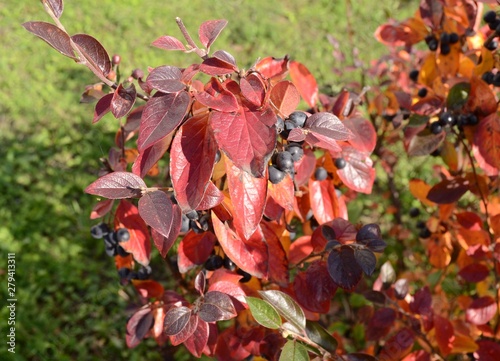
(70, 304)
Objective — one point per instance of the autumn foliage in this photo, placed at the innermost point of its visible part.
(245, 196)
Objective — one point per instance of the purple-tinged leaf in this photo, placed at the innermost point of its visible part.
(449, 190)
(56, 6)
(213, 196)
(210, 30)
(117, 185)
(216, 306)
(102, 208)
(186, 332)
(366, 259)
(166, 79)
(176, 319)
(200, 282)
(253, 89)
(328, 125)
(344, 268)
(162, 243)
(198, 340)
(123, 100)
(102, 107)
(94, 53)
(168, 42)
(52, 35)
(159, 213)
(138, 326)
(150, 156)
(160, 117)
(192, 161)
(221, 63)
(217, 98)
(247, 137)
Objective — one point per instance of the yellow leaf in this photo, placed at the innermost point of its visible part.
(463, 344)
(486, 64)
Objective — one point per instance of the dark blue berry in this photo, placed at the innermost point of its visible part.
(275, 175)
(214, 262)
(436, 128)
(298, 118)
(284, 161)
(99, 230)
(490, 16)
(144, 272)
(120, 251)
(472, 119)
(192, 215)
(184, 224)
(445, 48)
(296, 151)
(340, 163)
(246, 276)
(431, 42)
(492, 45)
(414, 212)
(229, 264)
(488, 77)
(454, 38)
(422, 92)
(122, 235)
(444, 38)
(425, 233)
(447, 118)
(414, 74)
(320, 174)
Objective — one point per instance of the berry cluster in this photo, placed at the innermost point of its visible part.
(449, 119)
(126, 274)
(445, 41)
(491, 78)
(216, 261)
(197, 221)
(112, 239)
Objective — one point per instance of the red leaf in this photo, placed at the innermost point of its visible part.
(194, 249)
(358, 174)
(222, 64)
(253, 89)
(102, 208)
(102, 107)
(380, 324)
(216, 306)
(210, 30)
(249, 198)
(475, 272)
(94, 54)
(160, 117)
(150, 156)
(482, 100)
(149, 288)
(448, 190)
(138, 326)
(488, 351)
(420, 355)
(247, 137)
(283, 192)
(56, 6)
(424, 144)
(277, 259)
(271, 67)
(324, 127)
(343, 268)
(398, 346)
(159, 213)
(300, 249)
(166, 79)
(227, 282)
(165, 243)
(305, 82)
(218, 98)
(324, 201)
(422, 302)
(487, 139)
(285, 97)
(315, 288)
(249, 255)
(52, 35)
(344, 231)
(212, 198)
(168, 42)
(341, 102)
(304, 168)
(127, 216)
(365, 136)
(117, 185)
(444, 334)
(192, 159)
(481, 310)
(198, 340)
(123, 100)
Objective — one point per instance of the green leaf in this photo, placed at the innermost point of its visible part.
(321, 337)
(264, 313)
(286, 306)
(294, 351)
(458, 96)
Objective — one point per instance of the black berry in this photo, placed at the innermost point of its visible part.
(275, 175)
(445, 38)
(454, 38)
(111, 250)
(217, 156)
(494, 24)
(445, 49)
(414, 74)
(492, 45)
(246, 276)
(320, 174)
(122, 235)
(229, 264)
(425, 233)
(214, 262)
(284, 161)
(99, 230)
(298, 118)
(431, 42)
(436, 128)
(144, 272)
(447, 118)
(462, 120)
(490, 16)
(414, 212)
(184, 224)
(192, 215)
(422, 92)
(124, 272)
(488, 77)
(421, 225)
(120, 251)
(280, 124)
(472, 120)
(296, 151)
(340, 163)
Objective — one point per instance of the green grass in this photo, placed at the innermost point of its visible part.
(70, 305)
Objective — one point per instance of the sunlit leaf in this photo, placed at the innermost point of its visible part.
(117, 185)
(286, 307)
(52, 35)
(94, 53)
(264, 313)
(294, 351)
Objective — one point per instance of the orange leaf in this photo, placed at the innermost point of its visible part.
(419, 189)
(444, 334)
(482, 100)
(487, 139)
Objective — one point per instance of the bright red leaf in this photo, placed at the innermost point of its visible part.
(210, 30)
(194, 249)
(305, 82)
(358, 174)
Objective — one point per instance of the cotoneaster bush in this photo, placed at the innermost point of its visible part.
(245, 196)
